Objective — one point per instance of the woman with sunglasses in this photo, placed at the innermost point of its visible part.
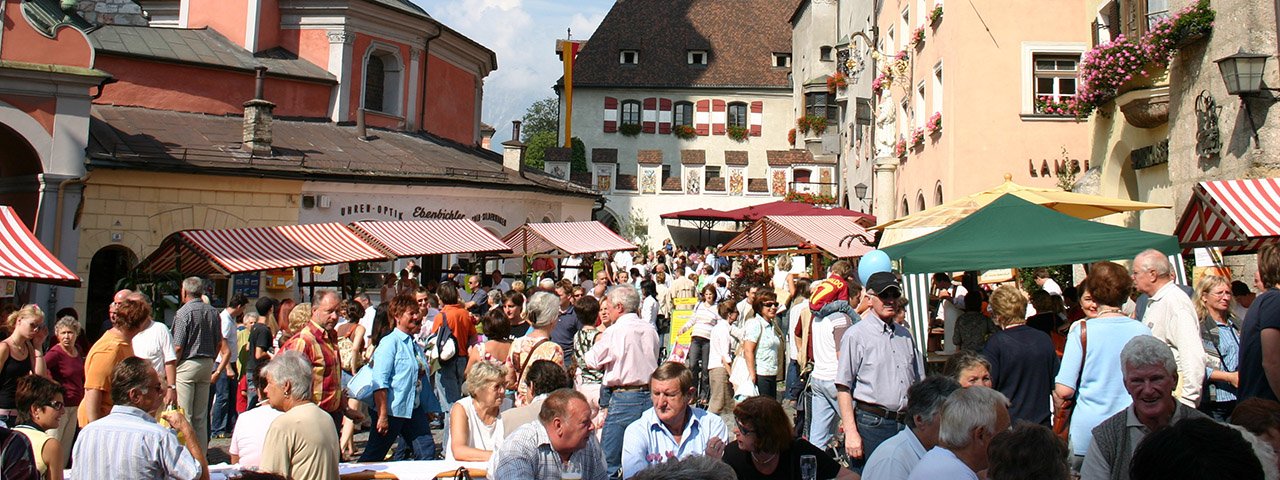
(767, 448)
(39, 409)
(20, 354)
(760, 344)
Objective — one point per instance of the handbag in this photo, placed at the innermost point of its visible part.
(360, 387)
(1062, 416)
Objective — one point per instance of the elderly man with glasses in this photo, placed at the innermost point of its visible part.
(878, 362)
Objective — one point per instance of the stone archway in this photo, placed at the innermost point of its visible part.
(109, 265)
(19, 175)
(608, 218)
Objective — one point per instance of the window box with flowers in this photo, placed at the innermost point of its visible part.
(935, 17)
(1046, 105)
(900, 147)
(837, 81)
(934, 125)
(810, 198)
(917, 137)
(685, 132)
(917, 37)
(881, 82)
(737, 133)
(811, 123)
(629, 129)
(791, 137)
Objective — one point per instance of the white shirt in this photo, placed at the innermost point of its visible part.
(622, 261)
(895, 458)
(1051, 287)
(251, 430)
(367, 320)
(155, 345)
(794, 316)
(228, 335)
(1172, 319)
(649, 310)
(823, 334)
(503, 285)
(721, 345)
(569, 267)
(941, 464)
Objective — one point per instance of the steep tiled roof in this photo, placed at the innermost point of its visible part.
(200, 46)
(558, 154)
(671, 184)
(693, 157)
(139, 138)
(649, 157)
(757, 185)
(737, 158)
(715, 184)
(740, 35)
(783, 158)
(626, 182)
(604, 155)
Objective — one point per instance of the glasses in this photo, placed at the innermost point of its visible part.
(770, 304)
(1226, 294)
(56, 405)
(744, 430)
(889, 296)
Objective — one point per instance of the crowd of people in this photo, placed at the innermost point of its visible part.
(1126, 375)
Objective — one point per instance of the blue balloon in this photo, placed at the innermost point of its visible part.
(874, 261)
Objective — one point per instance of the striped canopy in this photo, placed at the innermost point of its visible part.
(23, 257)
(569, 238)
(429, 237)
(1238, 215)
(205, 252)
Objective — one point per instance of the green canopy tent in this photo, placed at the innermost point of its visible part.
(1012, 232)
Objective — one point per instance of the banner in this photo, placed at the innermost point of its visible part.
(682, 315)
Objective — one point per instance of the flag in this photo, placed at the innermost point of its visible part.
(568, 53)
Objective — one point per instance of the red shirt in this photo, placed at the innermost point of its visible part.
(326, 372)
(827, 291)
(68, 371)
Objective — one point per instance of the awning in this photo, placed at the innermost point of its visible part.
(1238, 215)
(205, 252)
(570, 238)
(826, 233)
(783, 207)
(698, 215)
(23, 257)
(429, 237)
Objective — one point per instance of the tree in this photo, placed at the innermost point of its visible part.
(535, 148)
(541, 117)
(579, 162)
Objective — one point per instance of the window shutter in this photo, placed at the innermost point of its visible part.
(718, 117)
(756, 118)
(702, 117)
(1113, 20)
(664, 116)
(649, 116)
(610, 114)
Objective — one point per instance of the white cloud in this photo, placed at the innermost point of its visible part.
(522, 33)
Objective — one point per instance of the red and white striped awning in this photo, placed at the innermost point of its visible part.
(1238, 215)
(570, 238)
(25, 258)
(824, 232)
(206, 252)
(429, 237)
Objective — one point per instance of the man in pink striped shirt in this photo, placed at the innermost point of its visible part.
(627, 352)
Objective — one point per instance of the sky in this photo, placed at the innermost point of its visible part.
(522, 33)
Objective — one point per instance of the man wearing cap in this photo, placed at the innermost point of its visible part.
(878, 362)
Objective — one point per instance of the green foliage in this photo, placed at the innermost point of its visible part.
(579, 162)
(737, 133)
(629, 129)
(1059, 273)
(541, 117)
(636, 229)
(535, 149)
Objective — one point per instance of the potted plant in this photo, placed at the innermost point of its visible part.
(802, 125)
(900, 147)
(917, 37)
(685, 132)
(917, 136)
(737, 133)
(934, 125)
(881, 82)
(791, 137)
(1046, 105)
(837, 81)
(629, 129)
(817, 124)
(935, 16)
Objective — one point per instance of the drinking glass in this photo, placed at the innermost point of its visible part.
(808, 467)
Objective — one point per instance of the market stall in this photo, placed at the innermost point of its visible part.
(804, 234)
(1237, 215)
(564, 238)
(23, 257)
(224, 252)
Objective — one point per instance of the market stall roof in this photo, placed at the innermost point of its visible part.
(698, 214)
(571, 238)
(1239, 215)
(416, 238)
(205, 252)
(825, 232)
(1077, 205)
(783, 207)
(1012, 232)
(23, 257)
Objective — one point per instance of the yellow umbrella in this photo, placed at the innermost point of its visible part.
(1078, 205)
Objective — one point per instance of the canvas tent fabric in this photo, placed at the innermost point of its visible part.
(227, 251)
(568, 238)
(416, 238)
(1238, 215)
(783, 207)
(23, 257)
(826, 233)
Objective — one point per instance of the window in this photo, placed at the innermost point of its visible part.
(697, 57)
(920, 201)
(822, 104)
(905, 207)
(1157, 10)
(682, 114)
(666, 171)
(920, 108)
(1055, 76)
(921, 14)
(937, 87)
(904, 26)
(629, 57)
(738, 115)
(782, 60)
(937, 194)
(892, 42)
(630, 112)
(903, 128)
(382, 81)
(711, 172)
(825, 54)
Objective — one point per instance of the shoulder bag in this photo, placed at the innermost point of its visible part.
(1062, 416)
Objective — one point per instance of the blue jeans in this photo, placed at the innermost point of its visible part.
(223, 412)
(699, 354)
(823, 411)
(793, 381)
(874, 430)
(624, 408)
(451, 378)
(414, 432)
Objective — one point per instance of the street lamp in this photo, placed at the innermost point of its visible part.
(860, 190)
(1242, 72)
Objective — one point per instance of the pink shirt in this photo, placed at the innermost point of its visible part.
(626, 351)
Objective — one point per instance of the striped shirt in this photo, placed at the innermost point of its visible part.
(128, 443)
(321, 347)
(527, 454)
(196, 331)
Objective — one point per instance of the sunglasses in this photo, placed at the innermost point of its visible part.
(744, 430)
(891, 295)
(56, 405)
(770, 304)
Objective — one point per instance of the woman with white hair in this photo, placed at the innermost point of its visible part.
(302, 442)
(541, 311)
(474, 427)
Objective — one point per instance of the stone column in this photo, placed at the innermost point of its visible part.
(885, 188)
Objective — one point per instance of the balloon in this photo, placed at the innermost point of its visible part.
(874, 261)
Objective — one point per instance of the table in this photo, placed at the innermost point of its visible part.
(406, 470)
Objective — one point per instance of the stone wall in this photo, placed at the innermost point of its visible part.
(112, 12)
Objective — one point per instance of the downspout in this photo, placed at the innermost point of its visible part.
(426, 61)
(57, 215)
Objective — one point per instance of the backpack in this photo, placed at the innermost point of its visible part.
(441, 346)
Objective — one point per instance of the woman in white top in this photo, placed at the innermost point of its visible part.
(783, 280)
(251, 427)
(703, 318)
(474, 429)
(649, 302)
(39, 402)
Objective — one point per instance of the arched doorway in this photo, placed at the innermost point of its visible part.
(607, 218)
(109, 265)
(21, 163)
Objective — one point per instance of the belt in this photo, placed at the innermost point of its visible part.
(881, 411)
(630, 388)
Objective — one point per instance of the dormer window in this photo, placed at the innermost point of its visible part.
(782, 60)
(825, 54)
(629, 57)
(697, 57)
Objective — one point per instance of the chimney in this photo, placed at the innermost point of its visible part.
(513, 150)
(257, 119)
(486, 135)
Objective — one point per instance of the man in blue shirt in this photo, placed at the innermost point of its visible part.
(672, 429)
